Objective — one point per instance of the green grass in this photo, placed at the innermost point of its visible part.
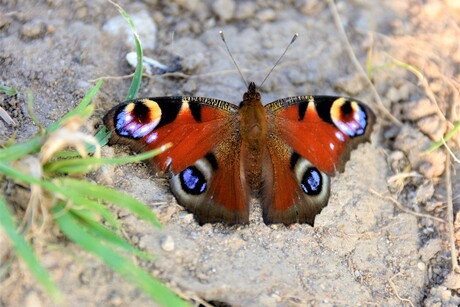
(78, 207)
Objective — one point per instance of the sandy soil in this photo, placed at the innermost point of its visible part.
(363, 250)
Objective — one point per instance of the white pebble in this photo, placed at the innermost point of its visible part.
(145, 26)
(167, 243)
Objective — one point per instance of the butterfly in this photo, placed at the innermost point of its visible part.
(223, 154)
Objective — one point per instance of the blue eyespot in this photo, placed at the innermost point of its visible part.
(193, 181)
(312, 181)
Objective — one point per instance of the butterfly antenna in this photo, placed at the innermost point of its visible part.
(279, 59)
(221, 33)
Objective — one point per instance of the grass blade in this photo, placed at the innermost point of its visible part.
(25, 252)
(112, 196)
(9, 91)
(137, 78)
(80, 165)
(75, 197)
(87, 221)
(160, 293)
(448, 136)
(17, 151)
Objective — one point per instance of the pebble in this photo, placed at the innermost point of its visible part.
(5, 21)
(421, 266)
(415, 110)
(33, 29)
(224, 9)
(189, 5)
(432, 126)
(32, 300)
(350, 85)
(310, 7)
(266, 15)
(398, 161)
(245, 10)
(167, 243)
(424, 192)
(445, 296)
(414, 143)
(145, 26)
(430, 249)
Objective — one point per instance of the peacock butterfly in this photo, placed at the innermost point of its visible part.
(283, 152)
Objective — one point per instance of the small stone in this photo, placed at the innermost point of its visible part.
(393, 95)
(33, 29)
(189, 5)
(349, 85)
(415, 110)
(432, 126)
(421, 266)
(310, 7)
(398, 161)
(414, 144)
(224, 9)
(167, 243)
(5, 21)
(245, 10)
(430, 249)
(145, 26)
(266, 15)
(445, 296)
(33, 300)
(424, 192)
(452, 281)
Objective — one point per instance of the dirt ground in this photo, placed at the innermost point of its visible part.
(364, 248)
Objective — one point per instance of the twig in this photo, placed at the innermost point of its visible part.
(392, 285)
(351, 54)
(450, 151)
(7, 118)
(450, 217)
(428, 91)
(398, 204)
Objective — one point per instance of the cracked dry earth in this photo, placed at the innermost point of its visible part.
(363, 250)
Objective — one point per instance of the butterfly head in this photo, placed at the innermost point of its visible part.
(252, 93)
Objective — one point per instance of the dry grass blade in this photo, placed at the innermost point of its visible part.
(402, 208)
(68, 135)
(393, 287)
(450, 217)
(6, 117)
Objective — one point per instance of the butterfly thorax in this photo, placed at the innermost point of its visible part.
(253, 132)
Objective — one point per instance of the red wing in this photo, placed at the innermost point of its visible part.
(213, 188)
(322, 129)
(309, 137)
(194, 126)
(204, 158)
(294, 190)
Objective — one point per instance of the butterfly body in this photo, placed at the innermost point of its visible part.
(222, 154)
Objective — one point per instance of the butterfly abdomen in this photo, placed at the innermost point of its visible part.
(253, 133)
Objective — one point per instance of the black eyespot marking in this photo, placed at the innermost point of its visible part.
(170, 107)
(192, 181)
(346, 108)
(212, 160)
(294, 158)
(303, 105)
(312, 181)
(323, 106)
(195, 109)
(141, 112)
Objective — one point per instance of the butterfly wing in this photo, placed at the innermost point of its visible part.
(312, 138)
(205, 155)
